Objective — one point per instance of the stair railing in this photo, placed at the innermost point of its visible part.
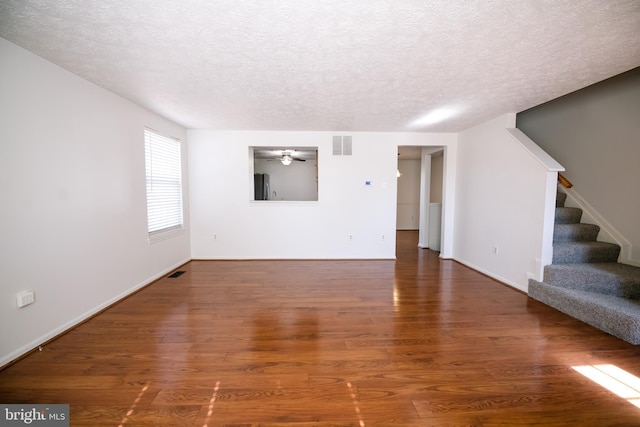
(564, 181)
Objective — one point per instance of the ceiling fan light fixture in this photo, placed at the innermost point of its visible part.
(286, 159)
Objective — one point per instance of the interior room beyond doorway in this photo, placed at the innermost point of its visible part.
(420, 193)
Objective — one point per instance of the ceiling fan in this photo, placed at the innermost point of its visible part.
(286, 157)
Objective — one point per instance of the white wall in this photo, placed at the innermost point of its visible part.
(502, 201)
(73, 217)
(227, 225)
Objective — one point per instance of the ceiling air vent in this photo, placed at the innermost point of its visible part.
(342, 145)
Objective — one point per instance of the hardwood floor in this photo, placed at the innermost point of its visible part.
(415, 342)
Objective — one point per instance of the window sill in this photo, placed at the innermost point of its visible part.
(165, 235)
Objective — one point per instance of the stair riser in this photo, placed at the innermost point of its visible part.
(597, 283)
(560, 199)
(568, 215)
(582, 255)
(575, 232)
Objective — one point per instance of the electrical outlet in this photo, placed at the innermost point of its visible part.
(25, 298)
(495, 250)
(350, 237)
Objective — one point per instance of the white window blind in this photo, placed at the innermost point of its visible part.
(164, 183)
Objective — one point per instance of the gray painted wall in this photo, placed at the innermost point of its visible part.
(595, 134)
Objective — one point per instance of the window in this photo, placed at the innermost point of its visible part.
(164, 183)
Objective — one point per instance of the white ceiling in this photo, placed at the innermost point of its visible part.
(347, 65)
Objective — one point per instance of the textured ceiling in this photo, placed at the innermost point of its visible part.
(349, 65)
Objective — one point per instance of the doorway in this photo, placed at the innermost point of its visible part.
(420, 193)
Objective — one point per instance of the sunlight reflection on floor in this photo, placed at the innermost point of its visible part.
(211, 402)
(614, 379)
(355, 404)
(133, 406)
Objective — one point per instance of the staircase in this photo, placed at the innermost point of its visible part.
(585, 280)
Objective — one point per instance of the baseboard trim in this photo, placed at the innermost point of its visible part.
(491, 275)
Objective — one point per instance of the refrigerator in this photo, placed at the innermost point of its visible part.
(261, 186)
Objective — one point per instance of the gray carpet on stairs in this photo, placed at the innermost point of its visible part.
(568, 215)
(609, 278)
(617, 316)
(581, 252)
(585, 280)
(575, 232)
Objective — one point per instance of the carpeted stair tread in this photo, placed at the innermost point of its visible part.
(611, 278)
(617, 316)
(575, 232)
(581, 252)
(565, 215)
(561, 198)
